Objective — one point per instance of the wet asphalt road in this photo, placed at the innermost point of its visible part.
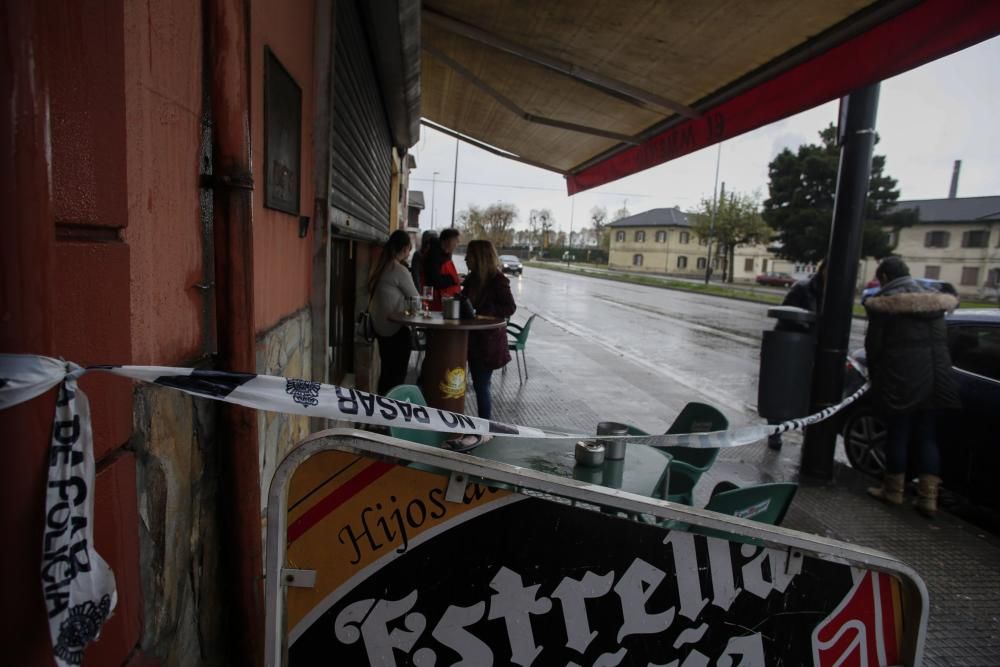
(709, 344)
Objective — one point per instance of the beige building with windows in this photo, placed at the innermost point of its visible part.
(956, 240)
(661, 241)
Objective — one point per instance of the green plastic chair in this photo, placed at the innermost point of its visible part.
(410, 393)
(690, 463)
(766, 503)
(518, 338)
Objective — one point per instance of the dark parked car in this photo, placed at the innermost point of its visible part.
(970, 446)
(511, 264)
(775, 279)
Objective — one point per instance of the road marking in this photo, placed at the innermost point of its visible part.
(709, 391)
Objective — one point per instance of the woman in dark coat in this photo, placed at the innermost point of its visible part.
(910, 371)
(488, 289)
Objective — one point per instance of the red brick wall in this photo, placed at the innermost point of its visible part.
(282, 261)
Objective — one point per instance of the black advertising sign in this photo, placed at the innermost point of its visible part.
(405, 577)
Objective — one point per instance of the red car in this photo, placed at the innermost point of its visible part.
(775, 279)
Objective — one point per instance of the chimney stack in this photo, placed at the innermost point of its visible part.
(953, 192)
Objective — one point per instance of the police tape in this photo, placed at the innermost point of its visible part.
(22, 377)
(77, 584)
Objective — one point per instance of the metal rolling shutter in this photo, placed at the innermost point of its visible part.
(362, 142)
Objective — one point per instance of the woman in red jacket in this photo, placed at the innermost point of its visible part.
(488, 289)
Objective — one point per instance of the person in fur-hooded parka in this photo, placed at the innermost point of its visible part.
(910, 371)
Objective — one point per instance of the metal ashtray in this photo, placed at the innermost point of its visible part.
(589, 454)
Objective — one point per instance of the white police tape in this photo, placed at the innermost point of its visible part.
(79, 587)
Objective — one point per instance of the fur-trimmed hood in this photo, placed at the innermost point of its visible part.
(911, 303)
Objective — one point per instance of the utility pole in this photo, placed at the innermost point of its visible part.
(857, 142)
(454, 184)
(433, 189)
(569, 240)
(715, 206)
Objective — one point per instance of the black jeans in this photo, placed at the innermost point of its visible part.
(912, 433)
(394, 352)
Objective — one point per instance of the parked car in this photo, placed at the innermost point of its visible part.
(970, 449)
(939, 285)
(511, 264)
(775, 279)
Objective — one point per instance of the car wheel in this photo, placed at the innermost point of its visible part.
(864, 442)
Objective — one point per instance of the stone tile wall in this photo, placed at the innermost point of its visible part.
(285, 350)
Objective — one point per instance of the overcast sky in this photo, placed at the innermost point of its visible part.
(945, 111)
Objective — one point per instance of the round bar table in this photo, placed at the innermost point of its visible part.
(443, 378)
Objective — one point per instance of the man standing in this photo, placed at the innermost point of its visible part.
(910, 371)
(439, 270)
(427, 240)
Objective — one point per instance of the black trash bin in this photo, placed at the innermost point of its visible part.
(786, 365)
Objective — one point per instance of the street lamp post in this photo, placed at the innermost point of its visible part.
(454, 184)
(433, 189)
(715, 206)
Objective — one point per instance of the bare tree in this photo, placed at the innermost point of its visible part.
(599, 223)
(495, 223)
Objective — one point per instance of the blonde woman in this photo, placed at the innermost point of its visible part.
(390, 284)
(488, 290)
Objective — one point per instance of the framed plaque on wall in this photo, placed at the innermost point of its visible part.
(282, 136)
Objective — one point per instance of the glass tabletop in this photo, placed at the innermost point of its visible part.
(642, 471)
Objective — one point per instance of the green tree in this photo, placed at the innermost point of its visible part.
(738, 222)
(494, 223)
(800, 207)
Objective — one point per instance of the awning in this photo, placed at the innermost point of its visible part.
(600, 90)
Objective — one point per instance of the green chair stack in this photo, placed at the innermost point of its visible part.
(766, 503)
(688, 464)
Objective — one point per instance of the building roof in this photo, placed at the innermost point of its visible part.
(959, 209)
(655, 217)
(417, 199)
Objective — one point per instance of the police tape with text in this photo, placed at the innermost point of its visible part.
(78, 585)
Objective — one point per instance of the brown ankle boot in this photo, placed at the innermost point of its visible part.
(927, 494)
(891, 490)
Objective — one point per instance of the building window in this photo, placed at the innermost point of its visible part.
(685, 238)
(763, 265)
(748, 264)
(640, 237)
(936, 239)
(892, 238)
(636, 260)
(682, 262)
(932, 272)
(970, 275)
(702, 241)
(993, 278)
(973, 349)
(976, 239)
(620, 236)
(661, 237)
(702, 262)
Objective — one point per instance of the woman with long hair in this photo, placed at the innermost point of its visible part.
(488, 289)
(389, 284)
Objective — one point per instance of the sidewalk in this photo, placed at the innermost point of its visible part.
(574, 384)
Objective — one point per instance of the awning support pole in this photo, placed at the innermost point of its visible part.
(857, 140)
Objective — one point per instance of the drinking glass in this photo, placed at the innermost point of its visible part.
(427, 297)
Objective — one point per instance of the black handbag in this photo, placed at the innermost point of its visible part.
(365, 326)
